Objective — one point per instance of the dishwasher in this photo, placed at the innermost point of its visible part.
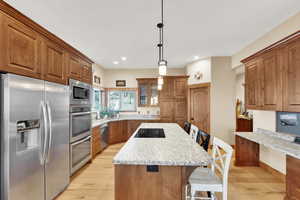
(104, 136)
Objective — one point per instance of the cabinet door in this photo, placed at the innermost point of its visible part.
(154, 94)
(75, 67)
(96, 145)
(180, 88)
(143, 94)
(132, 127)
(291, 79)
(168, 88)
(252, 86)
(86, 73)
(167, 111)
(180, 111)
(54, 63)
(271, 82)
(20, 49)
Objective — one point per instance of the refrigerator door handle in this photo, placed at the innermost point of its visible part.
(44, 133)
(50, 131)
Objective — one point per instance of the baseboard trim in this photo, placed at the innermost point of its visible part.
(273, 171)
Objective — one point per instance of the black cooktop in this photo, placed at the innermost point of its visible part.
(150, 133)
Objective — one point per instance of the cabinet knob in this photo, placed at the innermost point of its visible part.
(192, 118)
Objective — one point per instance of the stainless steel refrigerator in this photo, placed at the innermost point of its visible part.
(34, 138)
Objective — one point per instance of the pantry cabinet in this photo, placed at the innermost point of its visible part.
(173, 100)
(272, 77)
(28, 49)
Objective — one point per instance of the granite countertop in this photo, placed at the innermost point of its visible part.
(177, 149)
(277, 141)
(96, 123)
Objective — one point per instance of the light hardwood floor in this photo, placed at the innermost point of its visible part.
(96, 181)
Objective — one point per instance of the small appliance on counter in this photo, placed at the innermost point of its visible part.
(80, 124)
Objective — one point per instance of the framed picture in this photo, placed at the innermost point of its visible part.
(97, 80)
(120, 83)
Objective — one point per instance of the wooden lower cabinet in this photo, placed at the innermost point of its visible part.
(135, 182)
(96, 145)
(132, 126)
(246, 152)
(117, 132)
(292, 178)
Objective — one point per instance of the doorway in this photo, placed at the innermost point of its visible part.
(199, 106)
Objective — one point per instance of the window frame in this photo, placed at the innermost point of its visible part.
(121, 90)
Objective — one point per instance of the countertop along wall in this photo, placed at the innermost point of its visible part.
(267, 119)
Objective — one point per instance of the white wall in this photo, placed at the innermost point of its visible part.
(130, 75)
(98, 71)
(239, 87)
(222, 99)
(288, 27)
(275, 159)
(204, 67)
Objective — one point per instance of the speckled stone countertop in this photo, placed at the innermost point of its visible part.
(177, 149)
(96, 123)
(281, 142)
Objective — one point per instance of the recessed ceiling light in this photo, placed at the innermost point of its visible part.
(123, 58)
(116, 62)
(196, 57)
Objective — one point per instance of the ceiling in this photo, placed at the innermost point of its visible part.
(106, 30)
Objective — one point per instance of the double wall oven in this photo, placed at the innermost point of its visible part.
(80, 124)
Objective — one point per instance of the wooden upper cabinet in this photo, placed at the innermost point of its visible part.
(253, 84)
(148, 94)
(75, 68)
(291, 81)
(180, 87)
(271, 93)
(168, 88)
(20, 48)
(86, 72)
(54, 63)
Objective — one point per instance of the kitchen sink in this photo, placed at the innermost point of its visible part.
(150, 133)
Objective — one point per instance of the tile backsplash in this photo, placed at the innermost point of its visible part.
(148, 110)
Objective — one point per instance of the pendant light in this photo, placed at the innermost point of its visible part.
(160, 80)
(162, 63)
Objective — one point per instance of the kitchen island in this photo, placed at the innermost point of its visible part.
(157, 168)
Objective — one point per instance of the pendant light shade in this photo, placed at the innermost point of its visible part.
(162, 70)
(160, 80)
(159, 87)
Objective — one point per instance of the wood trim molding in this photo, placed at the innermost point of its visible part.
(273, 171)
(199, 85)
(277, 44)
(12, 12)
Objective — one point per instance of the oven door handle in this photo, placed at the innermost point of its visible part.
(81, 141)
(82, 113)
